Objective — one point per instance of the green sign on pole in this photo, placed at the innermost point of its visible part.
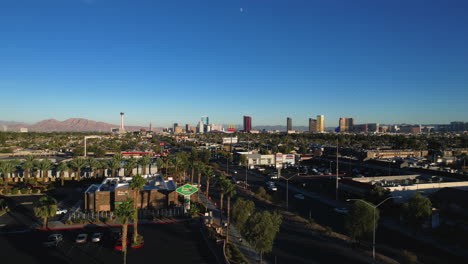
(187, 189)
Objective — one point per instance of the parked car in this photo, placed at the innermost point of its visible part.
(96, 237)
(299, 196)
(342, 210)
(53, 240)
(61, 211)
(81, 238)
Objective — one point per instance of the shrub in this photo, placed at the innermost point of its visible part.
(234, 255)
(408, 257)
(35, 190)
(15, 191)
(24, 191)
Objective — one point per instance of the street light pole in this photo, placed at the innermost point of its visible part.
(287, 190)
(375, 224)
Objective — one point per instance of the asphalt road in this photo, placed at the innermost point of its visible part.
(326, 216)
(164, 243)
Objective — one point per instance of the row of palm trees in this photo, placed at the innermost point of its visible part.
(33, 168)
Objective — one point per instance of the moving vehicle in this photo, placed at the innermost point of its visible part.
(53, 240)
(299, 196)
(342, 210)
(61, 211)
(96, 237)
(81, 238)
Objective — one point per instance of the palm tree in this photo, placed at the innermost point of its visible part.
(159, 164)
(124, 212)
(179, 164)
(78, 164)
(136, 185)
(28, 165)
(129, 166)
(104, 167)
(15, 163)
(144, 161)
(6, 168)
(61, 168)
(230, 191)
(45, 207)
(44, 166)
(118, 157)
(208, 175)
(221, 184)
(113, 164)
(94, 165)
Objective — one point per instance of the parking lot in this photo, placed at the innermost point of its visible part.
(180, 242)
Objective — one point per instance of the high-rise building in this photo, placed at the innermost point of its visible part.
(288, 124)
(320, 123)
(178, 129)
(205, 120)
(312, 125)
(174, 126)
(200, 127)
(346, 124)
(247, 123)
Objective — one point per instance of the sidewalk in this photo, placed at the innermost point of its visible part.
(234, 235)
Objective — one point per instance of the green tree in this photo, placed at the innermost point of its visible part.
(144, 162)
(44, 166)
(261, 231)
(27, 166)
(44, 208)
(78, 164)
(124, 212)
(417, 210)
(242, 210)
(129, 166)
(6, 168)
(209, 174)
(113, 164)
(104, 167)
(221, 184)
(160, 164)
(94, 165)
(360, 221)
(243, 160)
(206, 155)
(61, 168)
(137, 184)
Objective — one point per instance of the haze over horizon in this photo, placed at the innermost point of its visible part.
(174, 61)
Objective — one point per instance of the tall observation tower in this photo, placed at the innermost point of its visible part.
(122, 129)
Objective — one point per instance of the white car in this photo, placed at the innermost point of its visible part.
(299, 196)
(96, 237)
(343, 210)
(272, 188)
(81, 238)
(61, 211)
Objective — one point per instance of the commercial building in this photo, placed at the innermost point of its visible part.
(200, 127)
(289, 124)
(278, 160)
(366, 128)
(393, 153)
(401, 185)
(156, 193)
(312, 125)
(410, 129)
(320, 123)
(178, 129)
(247, 123)
(346, 124)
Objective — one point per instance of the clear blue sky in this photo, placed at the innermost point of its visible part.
(386, 61)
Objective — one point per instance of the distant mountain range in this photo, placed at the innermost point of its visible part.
(69, 125)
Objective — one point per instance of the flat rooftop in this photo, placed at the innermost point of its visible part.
(153, 182)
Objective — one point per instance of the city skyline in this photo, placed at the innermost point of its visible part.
(387, 62)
